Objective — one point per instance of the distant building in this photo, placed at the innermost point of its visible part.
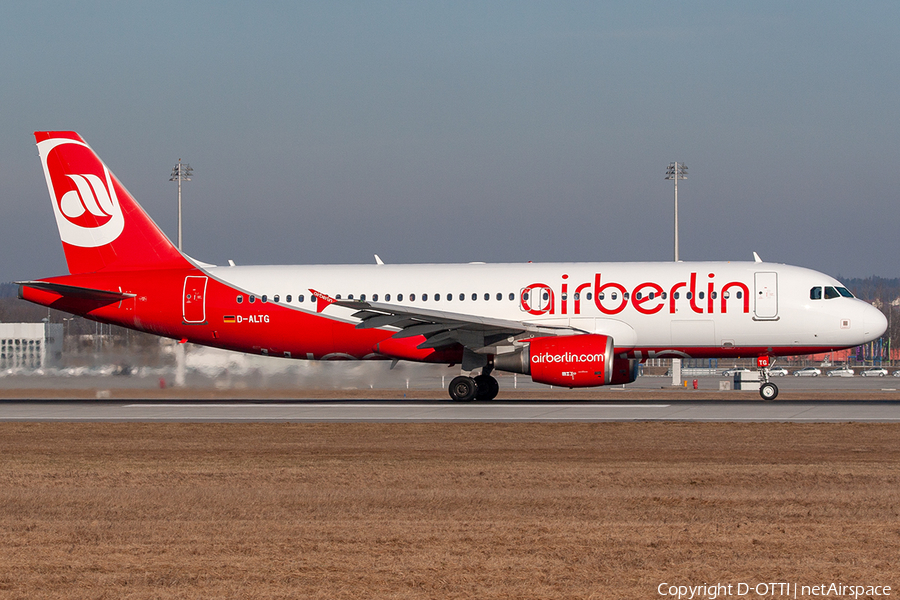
(30, 345)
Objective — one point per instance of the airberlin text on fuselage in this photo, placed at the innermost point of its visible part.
(647, 298)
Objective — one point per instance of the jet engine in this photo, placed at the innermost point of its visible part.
(567, 361)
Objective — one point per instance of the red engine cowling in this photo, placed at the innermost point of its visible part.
(567, 361)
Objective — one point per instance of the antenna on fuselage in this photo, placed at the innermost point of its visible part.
(756, 257)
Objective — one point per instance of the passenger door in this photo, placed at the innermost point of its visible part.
(766, 297)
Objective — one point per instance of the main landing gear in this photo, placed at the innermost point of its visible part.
(482, 388)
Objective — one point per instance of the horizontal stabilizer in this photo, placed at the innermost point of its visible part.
(73, 291)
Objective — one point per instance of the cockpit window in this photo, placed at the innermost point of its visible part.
(830, 293)
(815, 293)
(845, 292)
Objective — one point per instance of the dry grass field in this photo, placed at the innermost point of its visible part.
(442, 510)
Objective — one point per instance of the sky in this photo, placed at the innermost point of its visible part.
(327, 132)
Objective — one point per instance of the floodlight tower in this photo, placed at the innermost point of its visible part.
(675, 172)
(182, 172)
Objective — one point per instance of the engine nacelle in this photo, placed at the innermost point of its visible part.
(567, 361)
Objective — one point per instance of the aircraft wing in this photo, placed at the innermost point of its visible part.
(444, 328)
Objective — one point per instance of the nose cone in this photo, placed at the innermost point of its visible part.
(874, 323)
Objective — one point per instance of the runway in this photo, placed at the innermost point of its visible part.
(312, 411)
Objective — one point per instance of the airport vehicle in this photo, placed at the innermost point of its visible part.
(841, 372)
(734, 371)
(875, 372)
(807, 372)
(564, 324)
(777, 372)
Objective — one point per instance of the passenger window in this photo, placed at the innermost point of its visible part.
(437, 297)
(288, 299)
(387, 297)
(588, 295)
(614, 296)
(739, 294)
(301, 298)
(700, 295)
(462, 297)
(374, 297)
(362, 297)
(676, 295)
(688, 295)
(499, 296)
(399, 297)
(474, 296)
(512, 296)
(830, 293)
(350, 297)
(252, 298)
(412, 297)
(815, 293)
(240, 299)
(601, 296)
(449, 297)
(487, 297)
(275, 298)
(265, 298)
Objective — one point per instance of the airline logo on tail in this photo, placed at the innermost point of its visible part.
(84, 198)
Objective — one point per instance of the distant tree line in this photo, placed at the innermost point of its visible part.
(873, 288)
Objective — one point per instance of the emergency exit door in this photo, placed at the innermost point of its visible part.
(766, 306)
(194, 299)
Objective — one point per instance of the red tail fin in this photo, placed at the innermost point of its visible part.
(100, 223)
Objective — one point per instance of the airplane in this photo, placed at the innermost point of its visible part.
(564, 324)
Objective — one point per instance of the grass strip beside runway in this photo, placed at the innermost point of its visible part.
(441, 510)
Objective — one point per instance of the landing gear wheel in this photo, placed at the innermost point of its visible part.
(463, 389)
(768, 391)
(488, 388)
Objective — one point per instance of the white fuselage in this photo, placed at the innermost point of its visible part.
(654, 309)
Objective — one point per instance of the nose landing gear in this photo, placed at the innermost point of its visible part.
(768, 390)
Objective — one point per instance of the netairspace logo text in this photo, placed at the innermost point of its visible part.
(712, 591)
